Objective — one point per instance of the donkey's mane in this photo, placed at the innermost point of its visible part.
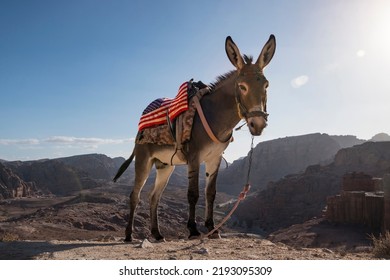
(222, 78)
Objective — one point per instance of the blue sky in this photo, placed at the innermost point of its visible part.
(76, 75)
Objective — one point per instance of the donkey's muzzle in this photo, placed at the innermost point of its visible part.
(257, 121)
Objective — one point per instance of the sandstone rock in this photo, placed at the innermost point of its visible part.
(370, 157)
(299, 197)
(277, 158)
(356, 207)
(358, 182)
(202, 251)
(12, 186)
(380, 137)
(53, 177)
(386, 185)
(145, 244)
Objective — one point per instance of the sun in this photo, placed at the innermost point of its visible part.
(379, 27)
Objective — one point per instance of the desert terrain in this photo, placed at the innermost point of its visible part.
(91, 225)
(68, 208)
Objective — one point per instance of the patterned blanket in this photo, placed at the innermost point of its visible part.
(157, 112)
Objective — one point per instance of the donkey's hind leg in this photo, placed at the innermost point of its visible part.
(164, 172)
(143, 164)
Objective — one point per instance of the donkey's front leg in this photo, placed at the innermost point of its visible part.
(193, 196)
(212, 168)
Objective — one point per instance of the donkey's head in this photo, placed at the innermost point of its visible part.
(251, 85)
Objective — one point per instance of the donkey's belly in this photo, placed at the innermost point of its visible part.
(170, 156)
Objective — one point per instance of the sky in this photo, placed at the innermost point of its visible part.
(76, 75)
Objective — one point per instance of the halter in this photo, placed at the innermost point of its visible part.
(243, 112)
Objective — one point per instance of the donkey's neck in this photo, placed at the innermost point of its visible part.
(220, 107)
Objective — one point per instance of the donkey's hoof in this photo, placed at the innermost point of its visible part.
(194, 235)
(128, 239)
(159, 238)
(157, 235)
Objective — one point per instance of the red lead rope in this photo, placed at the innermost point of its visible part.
(241, 197)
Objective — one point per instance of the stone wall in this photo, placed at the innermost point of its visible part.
(386, 188)
(359, 181)
(361, 201)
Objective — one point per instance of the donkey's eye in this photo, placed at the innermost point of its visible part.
(242, 87)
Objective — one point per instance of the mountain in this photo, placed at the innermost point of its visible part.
(276, 158)
(64, 176)
(96, 166)
(271, 161)
(299, 197)
(380, 137)
(346, 141)
(12, 186)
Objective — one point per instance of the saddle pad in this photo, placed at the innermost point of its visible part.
(156, 113)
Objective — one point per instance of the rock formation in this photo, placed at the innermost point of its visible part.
(297, 198)
(361, 202)
(380, 137)
(276, 158)
(53, 177)
(12, 186)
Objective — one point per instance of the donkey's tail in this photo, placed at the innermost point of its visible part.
(123, 167)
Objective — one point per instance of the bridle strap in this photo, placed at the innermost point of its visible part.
(244, 113)
(205, 124)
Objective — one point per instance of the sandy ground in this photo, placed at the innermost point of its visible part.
(237, 247)
(92, 226)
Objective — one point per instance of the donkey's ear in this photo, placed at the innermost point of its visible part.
(233, 53)
(267, 53)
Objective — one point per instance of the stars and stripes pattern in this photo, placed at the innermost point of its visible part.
(157, 111)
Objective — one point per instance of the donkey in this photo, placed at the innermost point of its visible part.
(239, 94)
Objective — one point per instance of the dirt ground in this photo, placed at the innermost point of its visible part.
(91, 226)
(229, 247)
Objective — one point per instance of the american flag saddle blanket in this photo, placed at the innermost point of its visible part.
(157, 112)
(153, 126)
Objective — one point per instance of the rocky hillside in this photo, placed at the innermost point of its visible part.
(297, 198)
(346, 141)
(271, 161)
(371, 158)
(96, 166)
(65, 176)
(12, 186)
(276, 158)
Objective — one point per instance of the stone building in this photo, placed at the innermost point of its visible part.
(363, 200)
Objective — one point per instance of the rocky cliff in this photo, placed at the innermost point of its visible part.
(64, 176)
(276, 158)
(12, 186)
(370, 157)
(96, 166)
(297, 198)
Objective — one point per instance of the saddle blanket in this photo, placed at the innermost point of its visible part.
(157, 112)
(162, 134)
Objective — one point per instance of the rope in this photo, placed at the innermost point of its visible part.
(250, 162)
(241, 196)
